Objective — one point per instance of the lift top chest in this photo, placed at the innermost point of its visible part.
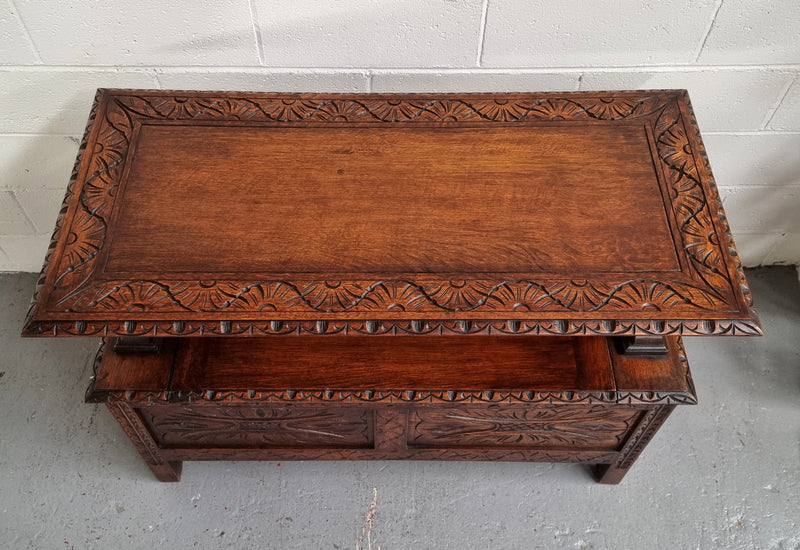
(404, 269)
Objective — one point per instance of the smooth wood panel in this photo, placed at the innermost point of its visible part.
(486, 363)
(670, 373)
(507, 199)
(135, 371)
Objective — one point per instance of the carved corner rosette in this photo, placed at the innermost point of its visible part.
(75, 291)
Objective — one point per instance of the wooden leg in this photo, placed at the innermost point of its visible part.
(648, 426)
(140, 437)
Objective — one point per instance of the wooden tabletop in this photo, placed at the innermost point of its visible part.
(195, 213)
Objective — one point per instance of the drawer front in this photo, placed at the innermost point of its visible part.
(258, 427)
(585, 427)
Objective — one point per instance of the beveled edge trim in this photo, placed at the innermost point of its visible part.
(638, 106)
(557, 327)
(393, 396)
(310, 397)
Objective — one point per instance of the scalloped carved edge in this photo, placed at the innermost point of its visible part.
(673, 132)
(715, 197)
(412, 453)
(557, 327)
(393, 396)
(456, 397)
(48, 258)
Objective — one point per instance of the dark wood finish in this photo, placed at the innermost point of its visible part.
(131, 423)
(567, 426)
(240, 214)
(136, 372)
(642, 345)
(654, 373)
(422, 398)
(648, 426)
(259, 427)
(436, 197)
(193, 370)
(138, 345)
(381, 363)
(566, 220)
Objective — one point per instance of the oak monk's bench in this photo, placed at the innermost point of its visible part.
(461, 277)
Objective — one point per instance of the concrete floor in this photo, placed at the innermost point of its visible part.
(722, 474)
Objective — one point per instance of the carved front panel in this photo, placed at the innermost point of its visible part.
(259, 427)
(598, 427)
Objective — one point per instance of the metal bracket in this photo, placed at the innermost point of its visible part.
(642, 346)
(130, 345)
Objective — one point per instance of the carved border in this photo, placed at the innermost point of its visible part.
(369, 396)
(391, 396)
(421, 327)
(74, 291)
(647, 428)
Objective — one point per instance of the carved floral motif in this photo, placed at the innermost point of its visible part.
(597, 427)
(708, 286)
(247, 426)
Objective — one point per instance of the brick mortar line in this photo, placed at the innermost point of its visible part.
(157, 79)
(38, 134)
(407, 70)
(760, 186)
(765, 132)
(28, 35)
(758, 133)
(772, 112)
(708, 31)
(28, 220)
(256, 32)
(6, 259)
(782, 237)
(482, 33)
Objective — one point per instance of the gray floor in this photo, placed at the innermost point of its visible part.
(722, 474)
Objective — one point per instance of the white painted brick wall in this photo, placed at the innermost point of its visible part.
(376, 33)
(577, 33)
(787, 115)
(739, 59)
(754, 32)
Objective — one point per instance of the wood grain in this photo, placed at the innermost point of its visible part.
(287, 214)
(404, 200)
(559, 219)
(435, 363)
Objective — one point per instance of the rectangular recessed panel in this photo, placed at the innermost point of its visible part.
(423, 199)
(259, 427)
(598, 427)
(410, 363)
